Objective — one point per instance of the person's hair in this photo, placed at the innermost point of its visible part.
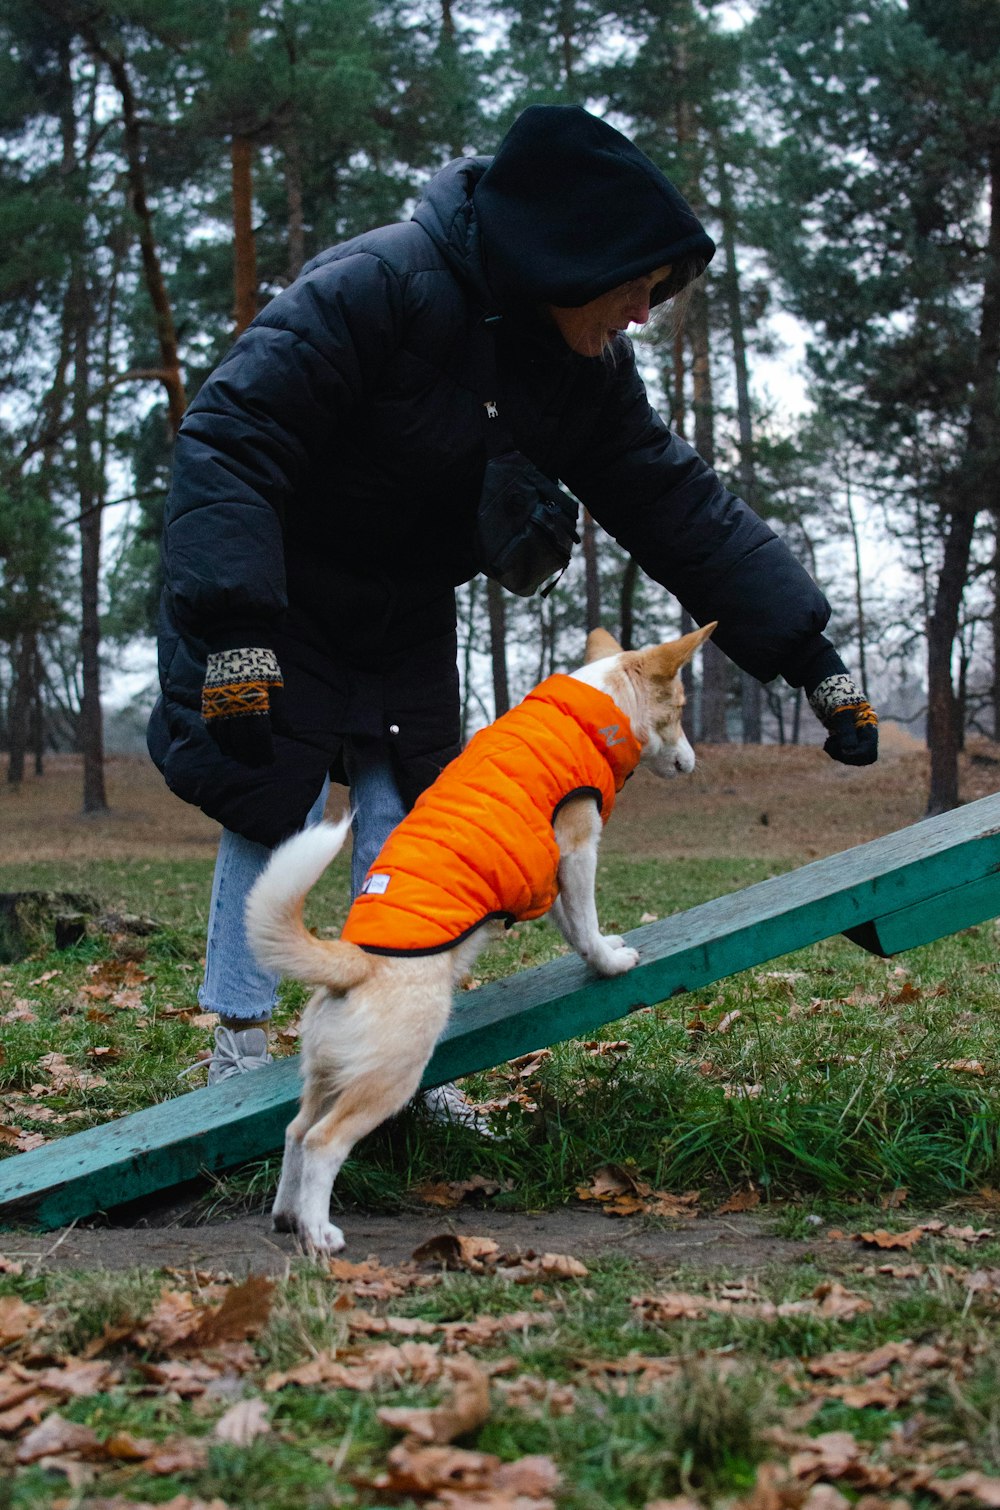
(669, 315)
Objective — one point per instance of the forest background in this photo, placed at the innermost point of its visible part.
(168, 167)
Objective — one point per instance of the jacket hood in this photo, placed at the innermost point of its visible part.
(446, 213)
(569, 208)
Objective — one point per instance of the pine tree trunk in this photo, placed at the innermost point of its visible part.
(18, 721)
(979, 483)
(630, 577)
(591, 575)
(714, 665)
(750, 688)
(498, 646)
(296, 234)
(170, 373)
(91, 726)
(244, 249)
(942, 710)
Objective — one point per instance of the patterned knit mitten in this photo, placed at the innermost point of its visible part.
(841, 706)
(236, 702)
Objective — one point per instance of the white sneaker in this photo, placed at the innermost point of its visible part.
(237, 1053)
(445, 1103)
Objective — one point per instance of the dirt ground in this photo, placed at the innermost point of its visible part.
(787, 802)
(245, 1245)
(784, 803)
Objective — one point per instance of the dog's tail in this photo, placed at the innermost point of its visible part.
(278, 936)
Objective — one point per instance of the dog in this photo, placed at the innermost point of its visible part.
(509, 830)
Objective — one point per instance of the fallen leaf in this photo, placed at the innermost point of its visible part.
(17, 1319)
(243, 1422)
(464, 1413)
(55, 1436)
(243, 1313)
(882, 1239)
(740, 1200)
(975, 1484)
(458, 1252)
(462, 1478)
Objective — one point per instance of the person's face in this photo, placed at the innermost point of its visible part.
(588, 329)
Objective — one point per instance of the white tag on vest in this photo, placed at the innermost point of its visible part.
(376, 885)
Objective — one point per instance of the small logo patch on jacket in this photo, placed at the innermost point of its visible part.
(612, 734)
(376, 885)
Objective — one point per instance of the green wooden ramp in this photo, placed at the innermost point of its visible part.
(895, 893)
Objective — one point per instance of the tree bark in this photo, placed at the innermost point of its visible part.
(244, 248)
(498, 646)
(592, 577)
(714, 665)
(18, 722)
(978, 484)
(942, 708)
(630, 577)
(750, 688)
(152, 271)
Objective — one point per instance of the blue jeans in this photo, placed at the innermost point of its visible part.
(234, 984)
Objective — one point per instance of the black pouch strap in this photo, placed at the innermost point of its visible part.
(496, 432)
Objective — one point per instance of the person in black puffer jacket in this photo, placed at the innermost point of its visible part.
(325, 489)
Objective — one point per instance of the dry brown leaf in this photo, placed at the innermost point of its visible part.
(825, 1497)
(243, 1313)
(842, 1364)
(54, 1437)
(740, 1200)
(893, 1199)
(463, 1414)
(451, 1193)
(835, 1300)
(123, 1447)
(243, 1422)
(462, 1478)
(975, 1485)
(875, 1392)
(185, 1379)
(181, 1455)
(458, 1252)
(17, 1319)
(882, 1239)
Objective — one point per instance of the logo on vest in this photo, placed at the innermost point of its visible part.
(612, 735)
(492, 412)
(376, 885)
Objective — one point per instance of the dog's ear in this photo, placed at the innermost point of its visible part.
(667, 660)
(600, 645)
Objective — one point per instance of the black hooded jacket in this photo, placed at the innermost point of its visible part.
(326, 478)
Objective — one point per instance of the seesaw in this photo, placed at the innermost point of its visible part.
(906, 889)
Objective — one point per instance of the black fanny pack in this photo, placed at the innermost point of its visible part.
(525, 523)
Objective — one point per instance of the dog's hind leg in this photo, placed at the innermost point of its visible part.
(315, 1103)
(375, 1052)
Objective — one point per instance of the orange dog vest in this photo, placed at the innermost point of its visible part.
(479, 843)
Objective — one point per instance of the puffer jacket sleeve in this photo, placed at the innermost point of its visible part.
(275, 403)
(669, 509)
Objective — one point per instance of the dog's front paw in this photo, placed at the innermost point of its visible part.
(612, 961)
(322, 1240)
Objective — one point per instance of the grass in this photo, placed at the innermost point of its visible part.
(629, 1410)
(838, 1075)
(828, 1081)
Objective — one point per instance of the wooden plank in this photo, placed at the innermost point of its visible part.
(908, 928)
(243, 1119)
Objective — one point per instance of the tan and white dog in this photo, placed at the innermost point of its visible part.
(372, 1024)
